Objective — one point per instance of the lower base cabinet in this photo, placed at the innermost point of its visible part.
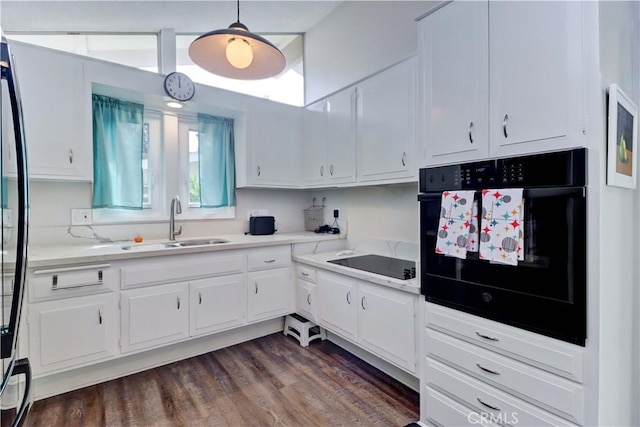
(306, 304)
(337, 309)
(72, 332)
(154, 316)
(217, 304)
(270, 294)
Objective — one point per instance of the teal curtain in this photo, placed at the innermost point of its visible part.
(117, 153)
(217, 161)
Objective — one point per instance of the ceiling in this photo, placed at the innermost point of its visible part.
(150, 16)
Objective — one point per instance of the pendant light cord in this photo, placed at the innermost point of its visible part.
(238, 3)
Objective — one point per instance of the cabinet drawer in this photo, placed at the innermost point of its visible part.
(443, 411)
(161, 271)
(545, 353)
(270, 258)
(486, 399)
(554, 394)
(65, 282)
(306, 273)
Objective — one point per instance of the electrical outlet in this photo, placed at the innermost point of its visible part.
(81, 217)
(252, 212)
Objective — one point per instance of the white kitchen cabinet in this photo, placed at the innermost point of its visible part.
(337, 304)
(217, 304)
(500, 78)
(386, 124)
(153, 316)
(270, 293)
(306, 304)
(56, 106)
(71, 332)
(273, 149)
(386, 323)
(330, 140)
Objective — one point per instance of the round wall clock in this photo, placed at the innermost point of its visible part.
(179, 86)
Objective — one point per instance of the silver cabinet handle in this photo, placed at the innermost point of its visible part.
(200, 298)
(100, 316)
(178, 298)
(55, 286)
(309, 299)
(258, 170)
(362, 303)
(471, 132)
(495, 408)
(256, 287)
(321, 170)
(305, 274)
(331, 170)
(70, 156)
(404, 159)
(487, 370)
(349, 297)
(269, 261)
(486, 337)
(504, 125)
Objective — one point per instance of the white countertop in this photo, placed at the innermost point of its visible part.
(320, 260)
(50, 256)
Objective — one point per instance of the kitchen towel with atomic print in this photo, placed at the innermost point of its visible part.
(455, 221)
(501, 230)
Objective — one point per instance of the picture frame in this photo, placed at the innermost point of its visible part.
(622, 150)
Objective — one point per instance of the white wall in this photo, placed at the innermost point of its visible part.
(618, 236)
(357, 39)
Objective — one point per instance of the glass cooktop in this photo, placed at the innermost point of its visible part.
(386, 266)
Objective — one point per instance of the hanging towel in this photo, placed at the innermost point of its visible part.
(473, 240)
(501, 236)
(455, 221)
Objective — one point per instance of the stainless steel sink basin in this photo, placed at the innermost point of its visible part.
(194, 242)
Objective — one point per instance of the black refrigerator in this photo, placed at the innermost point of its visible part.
(16, 372)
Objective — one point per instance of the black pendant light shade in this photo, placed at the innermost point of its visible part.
(237, 53)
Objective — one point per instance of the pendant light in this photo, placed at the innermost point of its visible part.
(237, 53)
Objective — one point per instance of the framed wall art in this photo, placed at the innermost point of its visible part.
(622, 158)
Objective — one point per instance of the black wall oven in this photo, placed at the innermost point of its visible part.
(546, 292)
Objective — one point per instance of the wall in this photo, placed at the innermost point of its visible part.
(357, 39)
(618, 296)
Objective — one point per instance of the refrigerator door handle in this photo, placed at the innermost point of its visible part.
(22, 367)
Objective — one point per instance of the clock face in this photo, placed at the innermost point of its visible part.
(179, 86)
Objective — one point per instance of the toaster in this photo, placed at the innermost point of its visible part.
(262, 225)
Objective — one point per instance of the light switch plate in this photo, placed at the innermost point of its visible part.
(81, 217)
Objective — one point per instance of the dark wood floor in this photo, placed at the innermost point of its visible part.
(271, 381)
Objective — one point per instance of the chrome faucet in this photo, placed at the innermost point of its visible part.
(176, 208)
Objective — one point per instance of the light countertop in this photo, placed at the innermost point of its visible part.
(320, 260)
(60, 255)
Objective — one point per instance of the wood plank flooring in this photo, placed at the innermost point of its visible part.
(271, 381)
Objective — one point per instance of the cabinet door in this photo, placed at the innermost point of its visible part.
(71, 332)
(386, 324)
(315, 144)
(217, 304)
(306, 304)
(386, 124)
(454, 73)
(56, 107)
(270, 294)
(153, 316)
(274, 145)
(337, 304)
(535, 77)
(341, 136)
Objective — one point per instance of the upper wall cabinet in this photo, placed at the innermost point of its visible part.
(500, 78)
(54, 103)
(386, 124)
(329, 148)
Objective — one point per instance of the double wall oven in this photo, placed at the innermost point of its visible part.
(546, 291)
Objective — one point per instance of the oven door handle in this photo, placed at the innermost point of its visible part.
(531, 193)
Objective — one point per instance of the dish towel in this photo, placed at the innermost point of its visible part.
(501, 230)
(473, 241)
(455, 220)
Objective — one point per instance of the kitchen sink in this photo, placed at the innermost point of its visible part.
(174, 244)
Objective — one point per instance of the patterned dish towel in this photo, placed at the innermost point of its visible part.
(454, 224)
(501, 231)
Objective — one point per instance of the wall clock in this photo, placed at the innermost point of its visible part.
(179, 86)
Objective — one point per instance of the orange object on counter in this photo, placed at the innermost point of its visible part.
(137, 239)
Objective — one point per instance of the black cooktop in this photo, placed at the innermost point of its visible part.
(386, 266)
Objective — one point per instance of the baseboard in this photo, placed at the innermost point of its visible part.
(54, 384)
(393, 371)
